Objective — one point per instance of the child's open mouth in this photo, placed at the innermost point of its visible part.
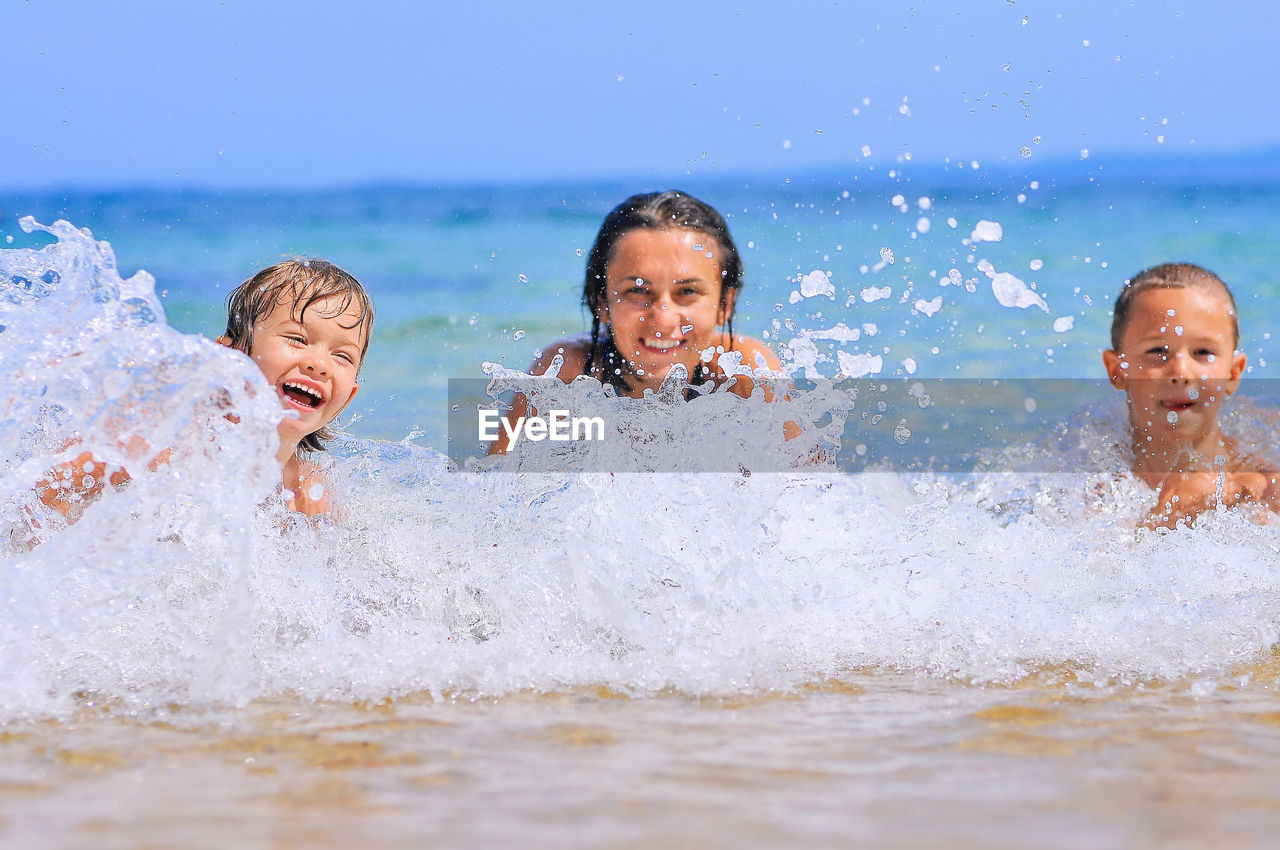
(301, 395)
(1177, 406)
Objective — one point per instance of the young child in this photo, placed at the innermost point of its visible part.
(306, 323)
(1174, 352)
(661, 282)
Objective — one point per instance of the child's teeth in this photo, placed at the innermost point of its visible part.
(291, 385)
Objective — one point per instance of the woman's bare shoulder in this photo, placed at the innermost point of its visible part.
(753, 351)
(573, 350)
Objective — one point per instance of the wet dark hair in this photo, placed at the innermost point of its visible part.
(305, 280)
(1168, 276)
(654, 211)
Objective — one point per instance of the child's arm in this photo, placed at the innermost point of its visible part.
(1186, 495)
(310, 495)
(69, 487)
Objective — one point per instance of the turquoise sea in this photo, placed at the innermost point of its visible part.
(766, 657)
(467, 274)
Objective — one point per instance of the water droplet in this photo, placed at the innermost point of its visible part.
(523, 278)
(518, 335)
(1026, 152)
(886, 254)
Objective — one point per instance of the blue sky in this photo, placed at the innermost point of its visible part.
(261, 93)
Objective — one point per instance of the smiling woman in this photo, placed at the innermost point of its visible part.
(661, 282)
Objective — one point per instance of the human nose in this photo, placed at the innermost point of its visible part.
(316, 361)
(666, 316)
(1182, 367)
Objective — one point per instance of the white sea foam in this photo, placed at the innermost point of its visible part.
(194, 585)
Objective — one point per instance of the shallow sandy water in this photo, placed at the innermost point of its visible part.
(872, 759)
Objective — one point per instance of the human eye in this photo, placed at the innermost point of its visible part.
(637, 292)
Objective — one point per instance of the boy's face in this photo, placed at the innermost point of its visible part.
(1176, 363)
(312, 362)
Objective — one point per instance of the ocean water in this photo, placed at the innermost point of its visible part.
(576, 652)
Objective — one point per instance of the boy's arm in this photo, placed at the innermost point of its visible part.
(1186, 495)
(1270, 498)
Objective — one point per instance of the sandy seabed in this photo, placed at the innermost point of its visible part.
(870, 759)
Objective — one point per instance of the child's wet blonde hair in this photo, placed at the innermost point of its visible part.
(1169, 276)
(303, 282)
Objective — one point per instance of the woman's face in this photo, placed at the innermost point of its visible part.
(663, 301)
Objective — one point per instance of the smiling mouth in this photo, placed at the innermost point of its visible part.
(302, 396)
(662, 345)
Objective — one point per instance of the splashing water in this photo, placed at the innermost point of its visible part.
(193, 584)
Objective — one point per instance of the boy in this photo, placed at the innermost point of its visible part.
(306, 323)
(1174, 339)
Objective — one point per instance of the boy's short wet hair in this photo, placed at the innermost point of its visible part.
(1168, 276)
(305, 281)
